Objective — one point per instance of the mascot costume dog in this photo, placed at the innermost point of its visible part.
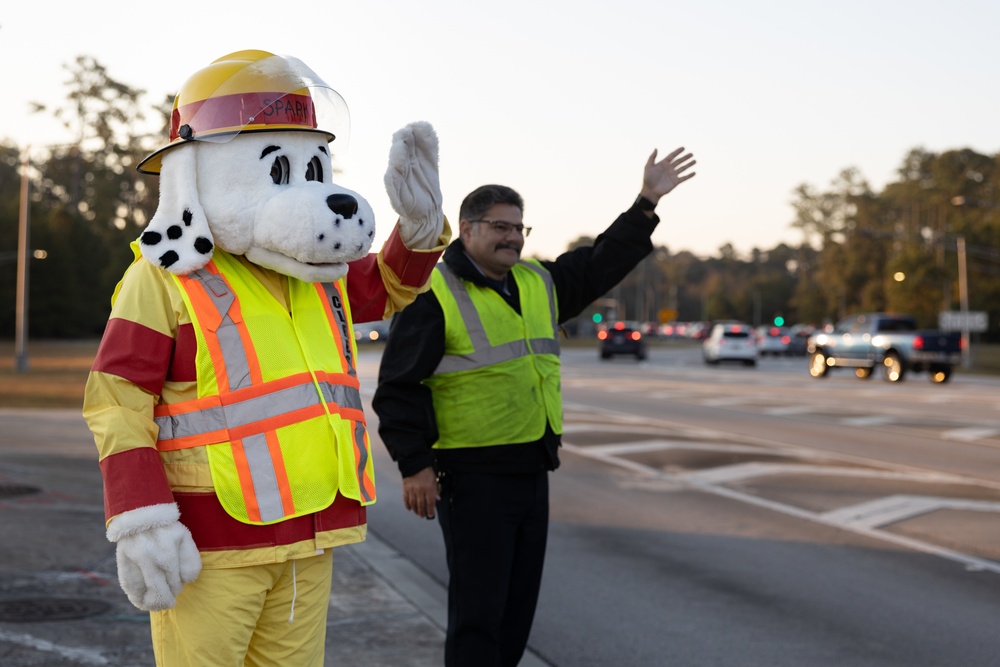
(224, 397)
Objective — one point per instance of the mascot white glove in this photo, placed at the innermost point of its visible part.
(413, 185)
(156, 555)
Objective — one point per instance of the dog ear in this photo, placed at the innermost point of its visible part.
(178, 238)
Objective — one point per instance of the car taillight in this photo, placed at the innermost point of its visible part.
(786, 340)
(918, 342)
(636, 335)
(601, 335)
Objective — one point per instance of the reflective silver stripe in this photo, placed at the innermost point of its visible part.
(333, 296)
(252, 410)
(265, 481)
(359, 443)
(470, 316)
(550, 287)
(342, 395)
(233, 355)
(483, 353)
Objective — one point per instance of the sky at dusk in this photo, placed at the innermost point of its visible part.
(564, 101)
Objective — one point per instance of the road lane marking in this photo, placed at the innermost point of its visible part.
(893, 509)
(869, 420)
(81, 655)
(656, 445)
(970, 434)
(704, 481)
(727, 400)
(788, 410)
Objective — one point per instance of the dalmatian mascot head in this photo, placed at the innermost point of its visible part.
(248, 169)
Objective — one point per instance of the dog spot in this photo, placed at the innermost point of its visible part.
(336, 246)
(168, 258)
(150, 238)
(321, 237)
(187, 217)
(174, 232)
(203, 245)
(371, 234)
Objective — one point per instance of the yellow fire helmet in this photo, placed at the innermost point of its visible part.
(252, 91)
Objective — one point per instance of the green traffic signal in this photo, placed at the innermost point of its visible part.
(779, 321)
(597, 318)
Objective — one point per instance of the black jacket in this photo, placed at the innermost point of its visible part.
(416, 345)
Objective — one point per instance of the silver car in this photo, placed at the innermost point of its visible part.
(730, 341)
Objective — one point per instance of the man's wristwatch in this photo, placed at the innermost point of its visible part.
(645, 204)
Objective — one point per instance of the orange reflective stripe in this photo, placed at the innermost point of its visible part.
(253, 363)
(208, 314)
(284, 488)
(200, 440)
(367, 484)
(333, 305)
(246, 480)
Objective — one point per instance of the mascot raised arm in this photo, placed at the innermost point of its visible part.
(224, 398)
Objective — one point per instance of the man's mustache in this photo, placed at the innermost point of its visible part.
(508, 246)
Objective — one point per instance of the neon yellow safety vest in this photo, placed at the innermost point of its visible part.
(498, 382)
(278, 409)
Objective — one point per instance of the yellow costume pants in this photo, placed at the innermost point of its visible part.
(248, 616)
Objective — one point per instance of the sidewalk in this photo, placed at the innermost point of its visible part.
(60, 603)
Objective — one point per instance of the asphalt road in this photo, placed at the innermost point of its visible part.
(758, 516)
(702, 516)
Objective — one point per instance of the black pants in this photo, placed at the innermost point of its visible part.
(495, 527)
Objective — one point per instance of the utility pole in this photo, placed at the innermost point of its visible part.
(21, 332)
(963, 296)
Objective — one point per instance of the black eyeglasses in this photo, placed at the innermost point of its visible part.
(504, 228)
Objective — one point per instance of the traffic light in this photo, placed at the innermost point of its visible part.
(597, 318)
(779, 321)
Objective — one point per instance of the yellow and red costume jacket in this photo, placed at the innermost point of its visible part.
(146, 365)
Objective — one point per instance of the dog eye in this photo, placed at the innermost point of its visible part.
(279, 170)
(314, 170)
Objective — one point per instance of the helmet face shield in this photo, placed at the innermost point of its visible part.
(254, 91)
(275, 93)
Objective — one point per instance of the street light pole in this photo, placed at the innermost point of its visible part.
(963, 296)
(21, 312)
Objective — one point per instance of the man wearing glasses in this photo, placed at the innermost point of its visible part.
(469, 403)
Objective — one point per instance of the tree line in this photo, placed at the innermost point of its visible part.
(924, 242)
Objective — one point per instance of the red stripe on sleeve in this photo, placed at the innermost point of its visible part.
(132, 479)
(365, 290)
(182, 363)
(136, 353)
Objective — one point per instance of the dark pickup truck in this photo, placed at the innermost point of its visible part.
(892, 343)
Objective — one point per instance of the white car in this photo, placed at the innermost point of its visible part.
(730, 341)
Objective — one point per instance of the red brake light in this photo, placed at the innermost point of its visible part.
(619, 325)
(786, 339)
(918, 342)
(636, 335)
(601, 335)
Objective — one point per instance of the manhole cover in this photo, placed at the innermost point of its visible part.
(49, 609)
(14, 490)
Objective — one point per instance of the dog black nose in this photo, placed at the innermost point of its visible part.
(343, 205)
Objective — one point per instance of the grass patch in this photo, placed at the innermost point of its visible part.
(55, 378)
